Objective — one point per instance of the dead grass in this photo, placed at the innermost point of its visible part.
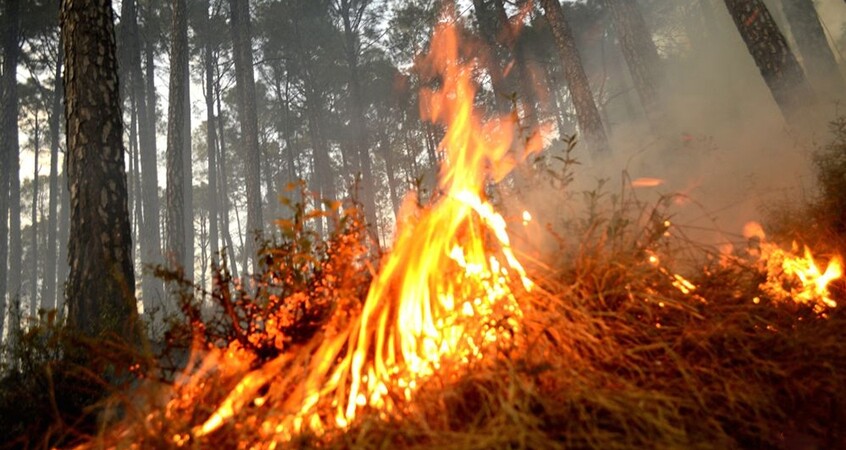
(610, 355)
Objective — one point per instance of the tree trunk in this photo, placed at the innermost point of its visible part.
(187, 180)
(211, 140)
(224, 189)
(101, 283)
(33, 267)
(49, 296)
(323, 181)
(390, 170)
(9, 144)
(135, 174)
(586, 111)
(151, 287)
(819, 61)
(527, 82)
(773, 57)
(248, 116)
(349, 10)
(641, 56)
(177, 97)
(62, 265)
(489, 30)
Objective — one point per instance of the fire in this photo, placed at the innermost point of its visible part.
(443, 295)
(645, 182)
(791, 275)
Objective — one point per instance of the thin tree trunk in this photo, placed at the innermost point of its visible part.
(33, 268)
(9, 144)
(150, 241)
(211, 140)
(527, 82)
(101, 284)
(819, 61)
(224, 189)
(12, 150)
(187, 180)
(641, 56)
(62, 265)
(132, 175)
(323, 182)
(586, 111)
(777, 64)
(390, 169)
(357, 119)
(248, 116)
(177, 97)
(49, 297)
(489, 30)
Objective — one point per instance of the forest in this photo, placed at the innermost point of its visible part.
(458, 224)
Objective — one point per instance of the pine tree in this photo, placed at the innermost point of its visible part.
(101, 283)
(586, 111)
(776, 62)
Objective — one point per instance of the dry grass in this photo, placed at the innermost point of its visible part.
(610, 355)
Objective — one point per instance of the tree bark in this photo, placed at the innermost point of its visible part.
(62, 265)
(187, 180)
(49, 296)
(819, 61)
(248, 117)
(777, 64)
(586, 111)
(101, 283)
(9, 143)
(641, 56)
(177, 98)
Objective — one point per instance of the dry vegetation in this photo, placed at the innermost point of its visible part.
(611, 353)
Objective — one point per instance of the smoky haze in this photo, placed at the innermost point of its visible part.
(664, 95)
(723, 155)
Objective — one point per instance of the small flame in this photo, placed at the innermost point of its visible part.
(795, 276)
(647, 182)
(443, 294)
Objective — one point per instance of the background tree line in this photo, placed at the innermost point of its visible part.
(221, 106)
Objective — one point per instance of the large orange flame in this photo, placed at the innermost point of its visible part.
(443, 295)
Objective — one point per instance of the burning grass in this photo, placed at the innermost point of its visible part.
(610, 353)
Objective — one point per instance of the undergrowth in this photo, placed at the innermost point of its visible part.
(614, 351)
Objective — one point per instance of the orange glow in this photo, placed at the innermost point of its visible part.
(791, 275)
(442, 296)
(647, 182)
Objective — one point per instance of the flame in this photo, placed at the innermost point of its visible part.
(644, 182)
(443, 295)
(791, 275)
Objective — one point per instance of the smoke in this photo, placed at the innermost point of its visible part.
(724, 156)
